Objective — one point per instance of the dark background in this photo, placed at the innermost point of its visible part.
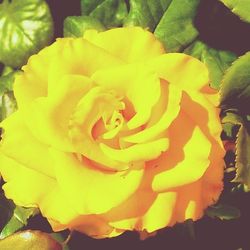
(220, 29)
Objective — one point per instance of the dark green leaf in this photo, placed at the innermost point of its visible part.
(7, 99)
(176, 29)
(243, 157)
(231, 116)
(25, 27)
(8, 105)
(7, 80)
(6, 70)
(217, 61)
(242, 147)
(75, 26)
(87, 6)
(146, 13)
(17, 221)
(6, 210)
(223, 212)
(241, 188)
(58, 237)
(235, 88)
(12, 217)
(110, 13)
(240, 8)
(30, 240)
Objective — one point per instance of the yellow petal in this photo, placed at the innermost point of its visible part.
(41, 120)
(75, 176)
(190, 169)
(48, 118)
(79, 57)
(184, 71)
(166, 119)
(205, 114)
(135, 82)
(130, 44)
(189, 204)
(29, 188)
(138, 152)
(65, 56)
(160, 213)
(18, 143)
(127, 215)
(33, 82)
(89, 110)
(94, 226)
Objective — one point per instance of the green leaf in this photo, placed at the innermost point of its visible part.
(58, 237)
(110, 13)
(235, 88)
(18, 220)
(8, 105)
(6, 210)
(12, 217)
(25, 27)
(75, 26)
(87, 6)
(176, 28)
(34, 240)
(243, 157)
(7, 80)
(7, 100)
(240, 8)
(217, 61)
(6, 70)
(223, 212)
(146, 13)
(242, 147)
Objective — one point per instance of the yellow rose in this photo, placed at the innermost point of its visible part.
(112, 134)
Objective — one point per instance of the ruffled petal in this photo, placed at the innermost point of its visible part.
(29, 188)
(131, 81)
(65, 56)
(190, 169)
(18, 143)
(79, 57)
(184, 71)
(159, 215)
(33, 82)
(48, 118)
(75, 176)
(131, 44)
(189, 204)
(139, 152)
(169, 114)
(89, 110)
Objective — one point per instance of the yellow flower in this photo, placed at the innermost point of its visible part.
(113, 134)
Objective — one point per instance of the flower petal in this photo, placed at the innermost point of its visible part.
(18, 143)
(131, 81)
(74, 177)
(168, 116)
(48, 118)
(159, 215)
(131, 44)
(139, 152)
(29, 188)
(190, 169)
(184, 71)
(65, 56)
(33, 82)
(88, 111)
